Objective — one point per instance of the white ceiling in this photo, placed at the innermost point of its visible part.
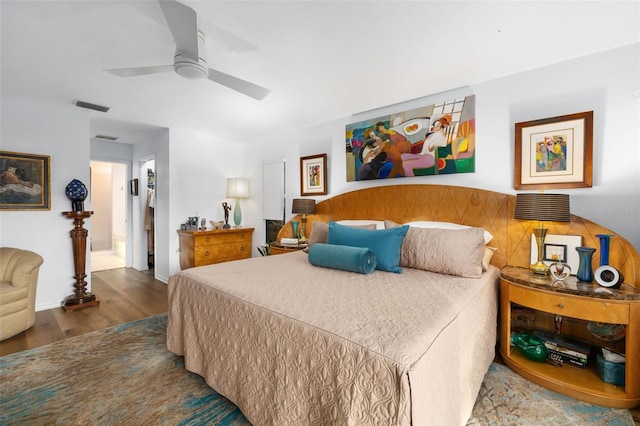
(322, 59)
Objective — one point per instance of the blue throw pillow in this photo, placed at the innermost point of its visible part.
(346, 258)
(385, 243)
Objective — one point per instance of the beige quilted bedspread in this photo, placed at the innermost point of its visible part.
(294, 344)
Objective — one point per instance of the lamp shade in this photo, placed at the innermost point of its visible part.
(238, 188)
(543, 207)
(303, 206)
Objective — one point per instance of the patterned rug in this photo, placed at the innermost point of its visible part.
(125, 375)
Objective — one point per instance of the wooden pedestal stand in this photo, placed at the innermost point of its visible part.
(81, 298)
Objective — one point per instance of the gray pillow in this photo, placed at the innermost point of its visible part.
(447, 251)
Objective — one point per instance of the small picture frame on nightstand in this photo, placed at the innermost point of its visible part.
(555, 252)
(553, 247)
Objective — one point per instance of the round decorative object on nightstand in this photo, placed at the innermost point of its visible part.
(608, 276)
(560, 271)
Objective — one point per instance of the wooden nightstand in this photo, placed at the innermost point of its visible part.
(198, 248)
(576, 303)
(282, 249)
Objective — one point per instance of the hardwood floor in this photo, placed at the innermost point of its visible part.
(124, 294)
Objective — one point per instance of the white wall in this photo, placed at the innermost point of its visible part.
(200, 166)
(61, 131)
(606, 83)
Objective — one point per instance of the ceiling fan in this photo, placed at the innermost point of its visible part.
(190, 61)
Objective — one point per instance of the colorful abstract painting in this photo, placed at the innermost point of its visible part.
(430, 140)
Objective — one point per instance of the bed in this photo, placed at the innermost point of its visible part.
(291, 343)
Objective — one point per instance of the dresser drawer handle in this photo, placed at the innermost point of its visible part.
(560, 305)
(208, 239)
(241, 248)
(206, 253)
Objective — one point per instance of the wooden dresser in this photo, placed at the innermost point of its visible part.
(198, 248)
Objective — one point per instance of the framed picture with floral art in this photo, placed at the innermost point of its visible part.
(554, 152)
(313, 175)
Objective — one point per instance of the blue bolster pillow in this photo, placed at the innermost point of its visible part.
(345, 258)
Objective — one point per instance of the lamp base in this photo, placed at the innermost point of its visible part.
(539, 268)
(237, 214)
(302, 239)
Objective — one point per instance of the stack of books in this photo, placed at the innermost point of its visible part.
(289, 242)
(565, 350)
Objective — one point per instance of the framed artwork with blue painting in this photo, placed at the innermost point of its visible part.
(431, 140)
(24, 181)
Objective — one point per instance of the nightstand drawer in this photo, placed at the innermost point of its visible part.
(600, 310)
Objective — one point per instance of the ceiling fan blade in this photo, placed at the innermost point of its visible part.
(183, 23)
(132, 72)
(239, 85)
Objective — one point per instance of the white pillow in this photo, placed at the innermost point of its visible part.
(378, 223)
(446, 225)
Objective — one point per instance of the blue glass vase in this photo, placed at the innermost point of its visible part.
(604, 248)
(585, 272)
(294, 226)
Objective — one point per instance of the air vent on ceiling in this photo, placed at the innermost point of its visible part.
(88, 105)
(106, 137)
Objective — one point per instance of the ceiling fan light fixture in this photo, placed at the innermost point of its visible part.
(189, 68)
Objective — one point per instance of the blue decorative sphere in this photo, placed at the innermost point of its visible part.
(76, 191)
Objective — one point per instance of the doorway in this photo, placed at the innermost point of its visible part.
(108, 237)
(148, 169)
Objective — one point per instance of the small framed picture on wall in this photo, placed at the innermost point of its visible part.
(554, 152)
(313, 175)
(133, 186)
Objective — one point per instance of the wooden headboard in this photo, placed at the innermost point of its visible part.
(490, 210)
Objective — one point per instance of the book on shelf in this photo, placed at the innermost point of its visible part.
(564, 358)
(564, 344)
(563, 350)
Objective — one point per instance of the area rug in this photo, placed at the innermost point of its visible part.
(125, 375)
